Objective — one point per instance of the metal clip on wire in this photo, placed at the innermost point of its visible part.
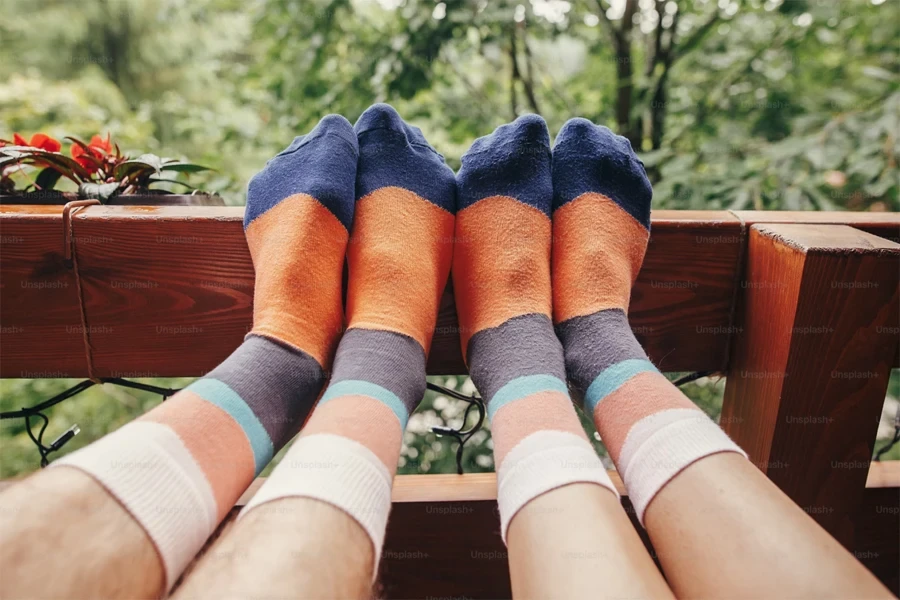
(462, 436)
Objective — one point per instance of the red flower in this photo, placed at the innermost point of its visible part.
(98, 143)
(38, 140)
(98, 148)
(82, 157)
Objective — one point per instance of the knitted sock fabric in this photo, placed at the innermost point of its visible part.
(601, 226)
(180, 468)
(399, 260)
(501, 275)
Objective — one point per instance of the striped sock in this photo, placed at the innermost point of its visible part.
(601, 226)
(180, 468)
(501, 273)
(399, 260)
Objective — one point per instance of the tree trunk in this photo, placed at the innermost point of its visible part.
(625, 76)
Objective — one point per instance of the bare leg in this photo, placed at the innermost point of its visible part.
(76, 516)
(577, 542)
(723, 506)
(294, 548)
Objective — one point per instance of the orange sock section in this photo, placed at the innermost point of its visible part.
(297, 298)
(399, 257)
(597, 254)
(501, 264)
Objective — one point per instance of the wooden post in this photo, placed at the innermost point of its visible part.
(818, 334)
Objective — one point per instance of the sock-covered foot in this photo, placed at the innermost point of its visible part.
(399, 261)
(601, 226)
(501, 277)
(181, 467)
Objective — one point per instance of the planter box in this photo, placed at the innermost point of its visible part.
(60, 198)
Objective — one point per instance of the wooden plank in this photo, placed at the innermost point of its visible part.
(168, 292)
(810, 367)
(875, 540)
(882, 224)
(39, 296)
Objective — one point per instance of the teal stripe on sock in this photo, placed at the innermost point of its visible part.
(524, 386)
(612, 379)
(218, 393)
(356, 387)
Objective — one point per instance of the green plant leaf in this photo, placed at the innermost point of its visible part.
(46, 179)
(183, 167)
(68, 167)
(133, 168)
(100, 191)
(151, 160)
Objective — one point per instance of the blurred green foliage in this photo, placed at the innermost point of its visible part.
(732, 104)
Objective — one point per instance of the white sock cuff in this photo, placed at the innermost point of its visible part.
(660, 446)
(150, 471)
(339, 471)
(543, 461)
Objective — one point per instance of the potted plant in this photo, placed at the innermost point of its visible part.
(31, 169)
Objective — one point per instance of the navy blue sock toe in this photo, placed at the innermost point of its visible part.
(393, 153)
(513, 161)
(591, 158)
(321, 164)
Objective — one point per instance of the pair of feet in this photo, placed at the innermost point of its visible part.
(591, 184)
(514, 207)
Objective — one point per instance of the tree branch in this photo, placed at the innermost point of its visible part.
(514, 74)
(694, 40)
(625, 74)
(607, 24)
(528, 82)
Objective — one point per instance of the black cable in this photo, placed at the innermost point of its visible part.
(37, 408)
(462, 436)
(474, 401)
(37, 411)
(44, 451)
(691, 377)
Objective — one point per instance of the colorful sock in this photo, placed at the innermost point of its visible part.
(601, 225)
(180, 468)
(399, 260)
(501, 275)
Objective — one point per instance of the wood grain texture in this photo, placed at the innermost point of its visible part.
(168, 292)
(810, 367)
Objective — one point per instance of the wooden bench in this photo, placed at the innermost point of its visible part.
(799, 310)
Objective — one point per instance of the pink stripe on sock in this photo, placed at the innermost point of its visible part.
(363, 419)
(518, 419)
(215, 440)
(641, 396)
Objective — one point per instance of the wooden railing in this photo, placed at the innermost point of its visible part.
(799, 310)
